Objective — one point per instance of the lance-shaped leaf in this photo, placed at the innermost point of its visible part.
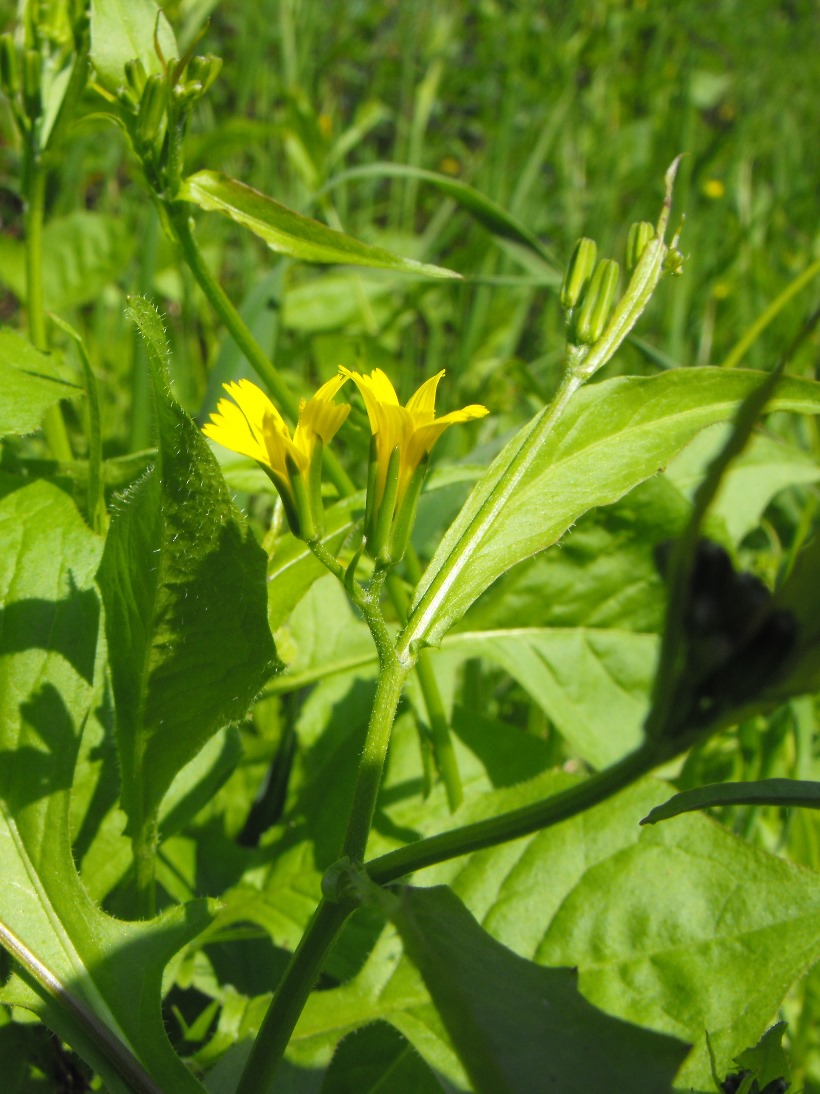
(290, 233)
(612, 436)
(183, 583)
(517, 1026)
(800, 792)
(95, 980)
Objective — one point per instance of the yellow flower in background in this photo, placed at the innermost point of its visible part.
(403, 437)
(252, 426)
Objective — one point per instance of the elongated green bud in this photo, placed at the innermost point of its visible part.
(136, 76)
(598, 303)
(204, 70)
(378, 536)
(152, 108)
(32, 76)
(9, 66)
(639, 235)
(579, 272)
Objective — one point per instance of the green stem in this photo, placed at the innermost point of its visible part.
(253, 352)
(371, 765)
(35, 201)
(518, 822)
(290, 997)
(144, 848)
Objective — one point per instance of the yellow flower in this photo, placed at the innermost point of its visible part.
(252, 426)
(403, 437)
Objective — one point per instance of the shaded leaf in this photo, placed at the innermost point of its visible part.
(517, 1026)
(94, 980)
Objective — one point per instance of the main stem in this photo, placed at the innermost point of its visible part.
(290, 997)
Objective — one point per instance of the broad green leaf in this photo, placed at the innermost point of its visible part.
(488, 213)
(86, 251)
(766, 1062)
(29, 385)
(183, 583)
(794, 792)
(612, 436)
(517, 1026)
(376, 1055)
(662, 932)
(95, 980)
(122, 30)
(288, 232)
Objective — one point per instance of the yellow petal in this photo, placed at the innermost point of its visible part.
(422, 405)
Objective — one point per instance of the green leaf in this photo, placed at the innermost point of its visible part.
(612, 436)
(290, 233)
(92, 979)
(488, 213)
(371, 1056)
(123, 30)
(183, 582)
(29, 385)
(793, 792)
(767, 1061)
(514, 1025)
(86, 251)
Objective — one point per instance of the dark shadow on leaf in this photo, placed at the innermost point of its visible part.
(43, 760)
(68, 627)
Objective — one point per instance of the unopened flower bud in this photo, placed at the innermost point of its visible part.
(597, 304)
(32, 77)
(639, 235)
(136, 76)
(204, 70)
(579, 272)
(9, 66)
(152, 108)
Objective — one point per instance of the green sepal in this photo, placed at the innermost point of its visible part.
(640, 233)
(283, 489)
(378, 546)
(205, 70)
(372, 481)
(579, 272)
(597, 304)
(314, 488)
(32, 83)
(136, 76)
(406, 513)
(304, 527)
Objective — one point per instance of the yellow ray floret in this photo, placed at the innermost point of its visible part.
(252, 426)
(403, 437)
(413, 428)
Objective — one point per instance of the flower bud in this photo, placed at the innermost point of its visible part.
(204, 70)
(9, 66)
(597, 304)
(152, 108)
(639, 235)
(136, 76)
(579, 272)
(32, 77)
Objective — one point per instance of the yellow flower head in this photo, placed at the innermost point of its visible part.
(252, 426)
(403, 437)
